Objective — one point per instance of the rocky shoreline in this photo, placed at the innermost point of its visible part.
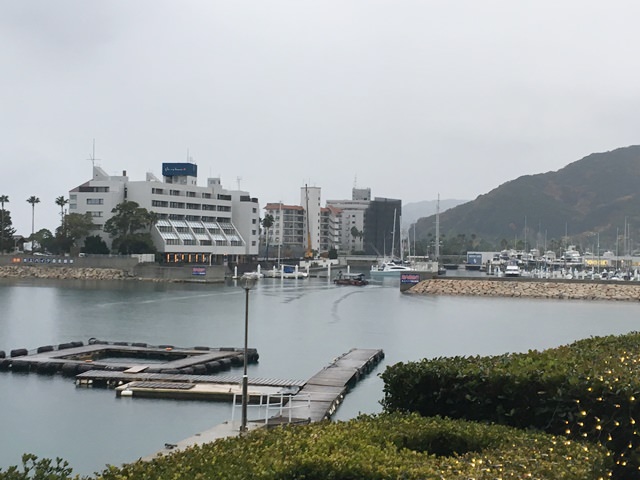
(62, 273)
(618, 291)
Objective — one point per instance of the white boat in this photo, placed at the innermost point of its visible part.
(254, 275)
(389, 269)
(512, 271)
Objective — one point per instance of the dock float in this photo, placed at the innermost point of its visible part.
(74, 358)
(325, 391)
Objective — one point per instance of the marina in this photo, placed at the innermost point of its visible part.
(297, 326)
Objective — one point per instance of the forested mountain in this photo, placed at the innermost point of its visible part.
(592, 198)
(413, 211)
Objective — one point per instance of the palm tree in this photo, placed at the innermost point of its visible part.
(3, 199)
(267, 223)
(33, 200)
(61, 202)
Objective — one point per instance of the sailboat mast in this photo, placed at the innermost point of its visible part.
(438, 229)
(393, 236)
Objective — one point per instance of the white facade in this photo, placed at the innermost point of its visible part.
(353, 213)
(195, 224)
(310, 201)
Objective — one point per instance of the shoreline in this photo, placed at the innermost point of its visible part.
(64, 273)
(522, 288)
(85, 273)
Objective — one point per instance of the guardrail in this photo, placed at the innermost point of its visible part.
(276, 402)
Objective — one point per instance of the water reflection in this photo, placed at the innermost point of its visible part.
(297, 326)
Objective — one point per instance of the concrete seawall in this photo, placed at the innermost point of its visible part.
(149, 272)
(530, 288)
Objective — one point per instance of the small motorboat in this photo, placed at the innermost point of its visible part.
(357, 279)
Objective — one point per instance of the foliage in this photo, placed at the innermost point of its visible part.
(61, 202)
(34, 469)
(94, 244)
(267, 223)
(6, 231)
(126, 225)
(379, 447)
(333, 253)
(42, 240)
(586, 390)
(77, 226)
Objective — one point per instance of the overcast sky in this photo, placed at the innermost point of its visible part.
(410, 98)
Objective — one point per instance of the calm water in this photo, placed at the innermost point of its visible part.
(297, 326)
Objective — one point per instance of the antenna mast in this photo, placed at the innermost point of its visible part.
(93, 158)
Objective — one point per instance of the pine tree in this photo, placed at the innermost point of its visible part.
(6, 232)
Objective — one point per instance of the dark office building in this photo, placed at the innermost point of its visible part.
(378, 227)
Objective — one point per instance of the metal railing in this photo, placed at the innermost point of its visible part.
(275, 402)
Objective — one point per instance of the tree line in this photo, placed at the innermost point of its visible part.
(129, 227)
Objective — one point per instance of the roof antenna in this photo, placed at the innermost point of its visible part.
(93, 158)
(238, 179)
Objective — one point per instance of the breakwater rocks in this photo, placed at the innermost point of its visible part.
(62, 273)
(530, 288)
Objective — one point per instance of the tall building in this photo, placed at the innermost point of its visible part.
(382, 227)
(351, 229)
(288, 230)
(359, 225)
(195, 224)
(310, 198)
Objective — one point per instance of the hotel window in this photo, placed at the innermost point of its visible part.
(95, 214)
(95, 201)
(73, 197)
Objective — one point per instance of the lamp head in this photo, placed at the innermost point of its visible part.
(247, 282)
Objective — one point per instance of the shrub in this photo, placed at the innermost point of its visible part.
(588, 390)
(380, 447)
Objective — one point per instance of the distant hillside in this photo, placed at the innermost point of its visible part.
(413, 211)
(590, 197)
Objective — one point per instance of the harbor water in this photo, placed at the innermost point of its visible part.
(298, 327)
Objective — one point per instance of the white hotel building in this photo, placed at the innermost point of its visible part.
(195, 224)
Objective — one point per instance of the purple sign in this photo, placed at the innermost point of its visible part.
(412, 278)
(198, 271)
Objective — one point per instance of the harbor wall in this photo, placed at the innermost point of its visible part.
(112, 268)
(530, 288)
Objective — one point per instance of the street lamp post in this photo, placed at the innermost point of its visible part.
(247, 283)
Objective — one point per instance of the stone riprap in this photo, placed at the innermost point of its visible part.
(576, 290)
(60, 273)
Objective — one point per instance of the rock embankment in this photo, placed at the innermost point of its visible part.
(530, 289)
(62, 273)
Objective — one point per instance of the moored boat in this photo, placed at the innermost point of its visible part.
(390, 269)
(357, 279)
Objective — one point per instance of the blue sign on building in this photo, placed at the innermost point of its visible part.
(179, 169)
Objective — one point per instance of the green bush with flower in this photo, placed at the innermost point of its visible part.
(588, 390)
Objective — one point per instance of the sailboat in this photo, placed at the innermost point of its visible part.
(389, 267)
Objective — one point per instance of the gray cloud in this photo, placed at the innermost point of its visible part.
(412, 98)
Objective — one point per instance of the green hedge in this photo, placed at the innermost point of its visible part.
(588, 390)
(380, 447)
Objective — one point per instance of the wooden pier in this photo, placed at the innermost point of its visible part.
(317, 400)
(326, 389)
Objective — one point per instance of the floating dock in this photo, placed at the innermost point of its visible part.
(326, 389)
(317, 400)
(71, 359)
